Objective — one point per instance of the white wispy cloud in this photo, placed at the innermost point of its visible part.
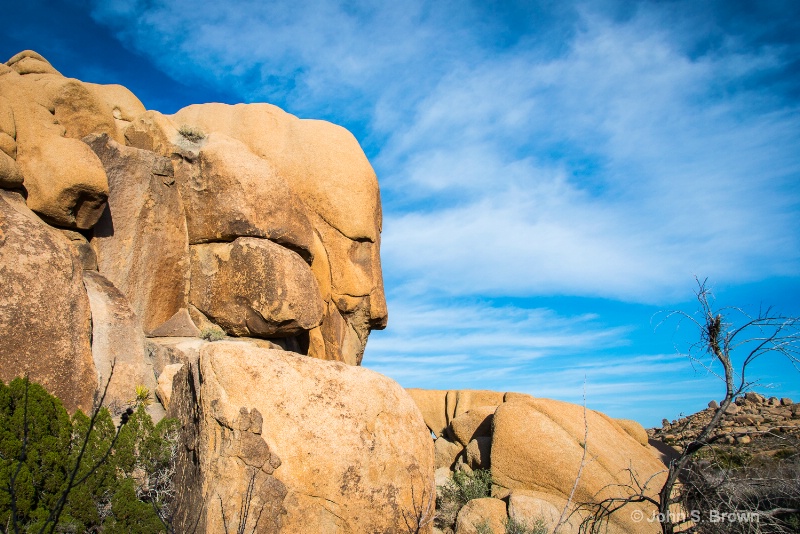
(685, 174)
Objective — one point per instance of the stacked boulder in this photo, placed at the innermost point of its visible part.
(534, 449)
(129, 240)
(750, 416)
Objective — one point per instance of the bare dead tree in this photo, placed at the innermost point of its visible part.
(423, 511)
(729, 342)
(565, 512)
(244, 513)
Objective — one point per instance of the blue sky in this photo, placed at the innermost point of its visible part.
(553, 174)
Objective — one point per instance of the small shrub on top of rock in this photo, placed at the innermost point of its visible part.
(191, 134)
(212, 333)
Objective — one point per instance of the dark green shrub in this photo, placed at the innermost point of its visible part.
(120, 485)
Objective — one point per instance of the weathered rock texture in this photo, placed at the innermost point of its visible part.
(141, 239)
(64, 180)
(482, 513)
(44, 310)
(117, 341)
(538, 444)
(254, 287)
(440, 407)
(332, 448)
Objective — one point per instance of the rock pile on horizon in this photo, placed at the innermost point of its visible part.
(750, 415)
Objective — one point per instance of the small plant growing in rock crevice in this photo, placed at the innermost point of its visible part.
(191, 133)
(459, 490)
(212, 333)
(483, 527)
(142, 396)
(515, 526)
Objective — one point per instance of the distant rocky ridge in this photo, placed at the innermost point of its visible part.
(227, 258)
(750, 417)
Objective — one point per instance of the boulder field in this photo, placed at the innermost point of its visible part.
(534, 449)
(227, 259)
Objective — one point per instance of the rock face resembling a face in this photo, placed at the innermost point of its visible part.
(253, 171)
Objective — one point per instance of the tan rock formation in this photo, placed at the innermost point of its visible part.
(243, 217)
(474, 423)
(64, 180)
(10, 175)
(431, 402)
(82, 248)
(446, 452)
(478, 452)
(326, 169)
(44, 310)
(230, 192)
(748, 414)
(141, 240)
(117, 340)
(254, 287)
(533, 508)
(237, 166)
(538, 445)
(321, 160)
(179, 325)
(165, 381)
(463, 400)
(124, 105)
(441, 407)
(634, 430)
(354, 455)
(29, 62)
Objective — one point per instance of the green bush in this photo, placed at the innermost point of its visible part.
(120, 485)
(191, 134)
(484, 527)
(515, 526)
(463, 486)
(459, 490)
(212, 333)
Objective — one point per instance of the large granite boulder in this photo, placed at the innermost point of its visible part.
(117, 342)
(326, 447)
(479, 516)
(324, 168)
(441, 407)
(538, 444)
(254, 287)
(64, 180)
(44, 311)
(121, 229)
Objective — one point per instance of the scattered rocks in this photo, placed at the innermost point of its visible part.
(748, 417)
